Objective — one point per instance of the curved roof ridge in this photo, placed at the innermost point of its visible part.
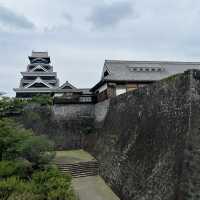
(153, 62)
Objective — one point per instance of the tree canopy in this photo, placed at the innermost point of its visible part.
(26, 171)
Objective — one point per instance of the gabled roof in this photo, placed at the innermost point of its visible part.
(67, 85)
(39, 67)
(141, 71)
(38, 80)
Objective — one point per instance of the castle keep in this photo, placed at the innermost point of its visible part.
(146, 141)
(40, 79)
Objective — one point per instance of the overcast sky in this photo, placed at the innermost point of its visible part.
(80, 34)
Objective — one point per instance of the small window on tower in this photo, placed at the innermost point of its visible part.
(106, 73)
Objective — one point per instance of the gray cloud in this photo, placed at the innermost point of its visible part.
(12, 20)
(68, 17)
(106, 15)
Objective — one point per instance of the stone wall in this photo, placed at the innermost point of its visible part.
(149, 144)
(71, 126)
(190, 179)
(66, 125)
(101, 110)
(72, 111)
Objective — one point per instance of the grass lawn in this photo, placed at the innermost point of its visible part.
(73, 156)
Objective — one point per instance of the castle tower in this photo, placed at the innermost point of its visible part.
(39, 77)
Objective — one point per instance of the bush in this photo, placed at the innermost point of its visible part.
(53, 185)
(26, 172)
(21, 168)
(11, 105)
(38, 150)
(17, 142)
(49, 184)
(12, 184)
(23, 196)
(42, 100)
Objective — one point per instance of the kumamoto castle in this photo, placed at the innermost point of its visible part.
(117, 78)
(138, 127)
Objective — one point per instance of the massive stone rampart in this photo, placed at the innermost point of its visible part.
(149, 145)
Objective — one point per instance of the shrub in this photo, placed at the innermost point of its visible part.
(24, 196)
(21, 168)
(52, 184)
(42, 100)
(49, 184)
(38, 150)
(12, 184)
(11, 105)
(17, 142)
(21, 154)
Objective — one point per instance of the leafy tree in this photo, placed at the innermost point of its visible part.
(42, 99)
(11, 105)
(17, 142)
(26, 172)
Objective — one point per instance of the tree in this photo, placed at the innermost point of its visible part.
(26, 172)
(19, 143)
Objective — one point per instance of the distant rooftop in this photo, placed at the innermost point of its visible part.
(37, 54)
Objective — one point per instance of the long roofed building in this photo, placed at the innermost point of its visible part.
(119, 76)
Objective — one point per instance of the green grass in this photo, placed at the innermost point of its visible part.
(73, 156)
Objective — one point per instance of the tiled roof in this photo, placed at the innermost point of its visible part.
(36, 54)
(143, 70)
(67, 85)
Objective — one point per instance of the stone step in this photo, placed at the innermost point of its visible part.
(79, 170)
(82, 169)
(77, 167)
(77, 164)
(76, 175)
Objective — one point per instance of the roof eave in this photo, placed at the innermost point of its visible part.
(99, 84)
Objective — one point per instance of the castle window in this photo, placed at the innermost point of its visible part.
(85, 99)
(106, 73)
(159, 69)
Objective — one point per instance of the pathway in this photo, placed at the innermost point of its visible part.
(89, 187)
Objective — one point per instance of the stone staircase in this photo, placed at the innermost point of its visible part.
(80, 169)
